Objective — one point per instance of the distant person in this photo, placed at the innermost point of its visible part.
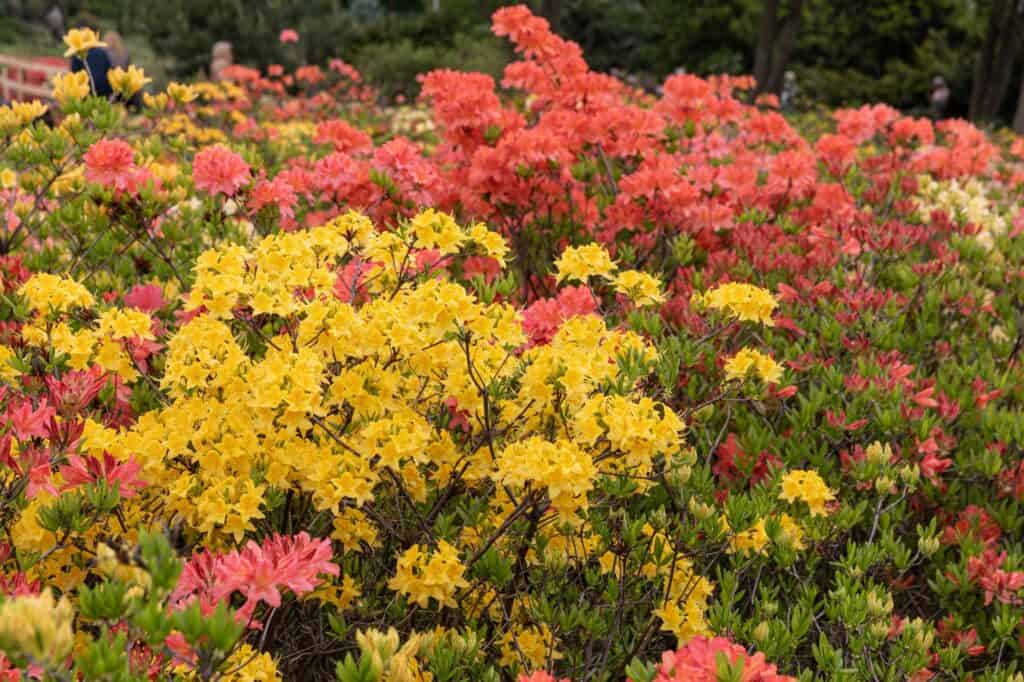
(939, 98)
(790, 91)
(116, 50)
(55, 22)
(223, 57)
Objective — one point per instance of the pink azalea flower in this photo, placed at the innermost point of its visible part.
(83, 471)
(697, 661)
(289, 35)
(218, 170)
(146, 297)
(111, 163)
(28, 422)
(259, 572)
(541, 676)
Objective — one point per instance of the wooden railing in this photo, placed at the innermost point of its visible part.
(28, 77)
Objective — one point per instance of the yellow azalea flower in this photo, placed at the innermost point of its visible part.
(582, 262)
(8, 178)
(535, 644)
(45, 292)
(423, 575)
(158, 101)
(37, 626)
(181, 94)
(436, 230)
(70, 181)
(7, 371)
(791, 533)
(9, 121)
(492, 243)
(743, 301)
(28, 111)
(641, 287)
(80, 41)
(70, 87)
(806, 486)
(249, 665)
(747, 359)
(752, 540)
(127, 82)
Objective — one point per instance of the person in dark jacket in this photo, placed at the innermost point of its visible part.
(98, 61)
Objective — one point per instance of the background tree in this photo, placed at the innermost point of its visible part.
(776, 38)
(1002, 46)
(1018, 118)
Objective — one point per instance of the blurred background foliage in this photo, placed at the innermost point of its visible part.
(847, 52)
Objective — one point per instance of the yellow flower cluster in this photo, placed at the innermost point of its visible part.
(19, 114)
(281, 383)
(583, 262)
(643, 289)
(70, 87)
(38, 626)
(423, 575)
(755, 539)
(739, 366)
(7, 371)
(807, 486)
(743, 301)
(80, 41)
(249, 665)
(46, 293)
(127, 82)
(532, 645)
(561, 467)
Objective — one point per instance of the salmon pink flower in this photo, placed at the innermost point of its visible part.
(85, 470)
(146, 297)
(289, 35)
(218, 170)
(697, 661)
(111, 163)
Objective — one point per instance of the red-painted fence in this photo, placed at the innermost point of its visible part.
(28, 77)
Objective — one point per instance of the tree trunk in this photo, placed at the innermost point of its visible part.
(993, 72)
(784, 44)
(776, 38)
(766, 31)
(1018, 118)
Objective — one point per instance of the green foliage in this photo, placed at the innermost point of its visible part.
(393, 66)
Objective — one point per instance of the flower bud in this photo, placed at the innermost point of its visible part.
(928, 545)
(699, 509)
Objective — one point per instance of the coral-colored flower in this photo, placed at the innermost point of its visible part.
(218, 170)
(289, 35)
(111, 163)
(85, 470)
(697, 661)
(541, 676)
(260, 572)
(146, 297)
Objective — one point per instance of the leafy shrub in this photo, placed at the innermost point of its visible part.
(574, 382)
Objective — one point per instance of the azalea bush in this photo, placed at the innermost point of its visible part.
(547, 381)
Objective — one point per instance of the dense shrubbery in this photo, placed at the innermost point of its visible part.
(571, 384)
